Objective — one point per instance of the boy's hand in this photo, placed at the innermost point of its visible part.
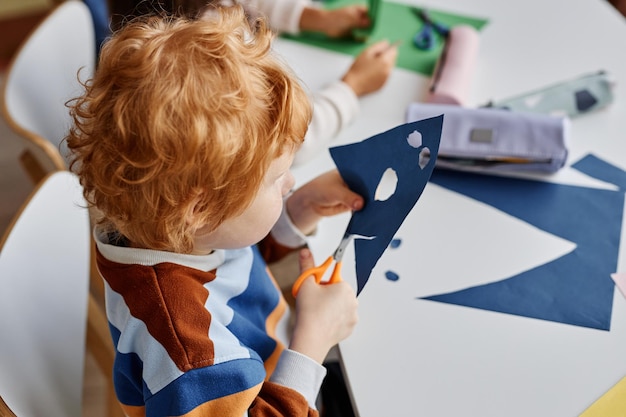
(325, 314)
(371, 68)
(326, 195)
(335, 23)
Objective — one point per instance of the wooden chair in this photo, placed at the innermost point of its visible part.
(44, 302)
(42, 76)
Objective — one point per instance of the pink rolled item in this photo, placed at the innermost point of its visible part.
(454, 71)
(620, 281)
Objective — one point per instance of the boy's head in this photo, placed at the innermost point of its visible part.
(180, 123)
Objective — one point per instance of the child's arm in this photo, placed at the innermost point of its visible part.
(336, 107)
(371, 68)
(294, 16)
(335, 23)
(337, 104)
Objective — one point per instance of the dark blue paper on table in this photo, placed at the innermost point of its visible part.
(410, 150)
(574, 289)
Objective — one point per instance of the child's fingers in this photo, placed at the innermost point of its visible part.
(378, 47)
(363, 18)
(306, 259)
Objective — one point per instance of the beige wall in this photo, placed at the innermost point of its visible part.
(11, 8)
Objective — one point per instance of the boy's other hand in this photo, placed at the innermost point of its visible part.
(335, 23)
(371, 68)
(326, 195)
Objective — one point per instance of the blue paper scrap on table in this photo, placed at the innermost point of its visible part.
(363, 164)
(574, 289)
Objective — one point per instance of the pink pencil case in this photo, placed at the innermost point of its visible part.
(451, 82)
(494, 140)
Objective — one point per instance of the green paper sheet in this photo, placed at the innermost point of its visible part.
(394, 22)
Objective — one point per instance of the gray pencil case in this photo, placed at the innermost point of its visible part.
(494, 140)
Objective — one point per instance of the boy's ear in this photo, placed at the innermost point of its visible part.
(192, 217)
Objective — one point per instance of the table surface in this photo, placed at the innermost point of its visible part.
(418, 357)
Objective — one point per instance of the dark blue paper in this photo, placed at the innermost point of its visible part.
(575, 289)
(362, 166)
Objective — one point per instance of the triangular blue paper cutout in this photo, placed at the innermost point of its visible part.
(362, 166)
(575, 289)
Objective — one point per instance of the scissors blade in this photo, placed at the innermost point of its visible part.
(424, 16)
(338, 255)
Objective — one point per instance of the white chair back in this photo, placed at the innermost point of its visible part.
(43, 76)
(44, 270)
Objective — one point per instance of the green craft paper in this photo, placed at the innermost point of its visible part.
(394, 22)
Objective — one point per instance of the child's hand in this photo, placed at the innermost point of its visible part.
(326, 195)
(325, 314)
(335, 23)
(371, 68)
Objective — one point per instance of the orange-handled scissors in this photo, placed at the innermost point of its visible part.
(319, 271)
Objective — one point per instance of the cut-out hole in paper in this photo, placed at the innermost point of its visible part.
(424, 157)
(387, 185)
(415, 139)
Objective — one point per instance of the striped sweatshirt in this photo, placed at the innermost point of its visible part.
(202, 335)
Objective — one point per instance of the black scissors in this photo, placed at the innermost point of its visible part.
(425, 38)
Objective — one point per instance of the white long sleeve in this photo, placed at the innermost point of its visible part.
(283, 15)
(334, 108)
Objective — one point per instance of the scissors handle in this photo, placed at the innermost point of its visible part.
(318, 273)
(424, 38)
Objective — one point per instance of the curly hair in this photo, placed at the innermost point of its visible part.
(183, 116)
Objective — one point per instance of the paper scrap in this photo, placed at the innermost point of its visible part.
(611, 404)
